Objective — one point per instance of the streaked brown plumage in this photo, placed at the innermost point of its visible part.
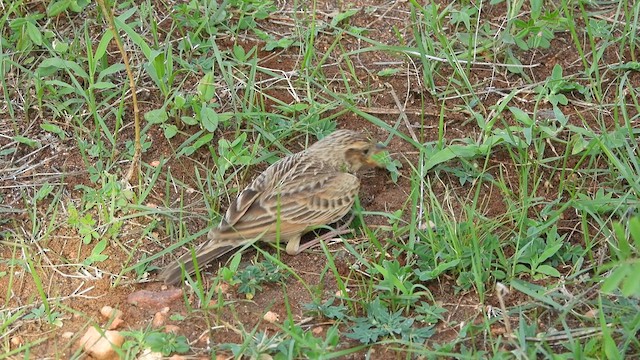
(301, 191)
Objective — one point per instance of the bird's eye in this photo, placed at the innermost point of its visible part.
(366, 151)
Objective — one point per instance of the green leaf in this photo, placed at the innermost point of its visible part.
(631, 285)
(179, 101)
(388, 72)
(187, 150)
(56, 8)
(59, 46)
(170, 130)
(536, 8)
(44, 191)
(27, 141)
(549, 252)
(53, 128)
(521, 116)
(634, 231)
(157, 61)
(50, 65)
(614, 279)
(205, 139)
(632, 65)
(102, 85)
(556, 73)
(206, 87)
(156, 116)
(536, 292)
(189, 120)
(622, 249)
(283, 43)
(548, 270)
(96, 253)
(451, 152)
(111, 70)
(239, 53)
(8, 151)
(343, 16)
(103, 45)
(611, 350)
(209, 118)
(34, 34)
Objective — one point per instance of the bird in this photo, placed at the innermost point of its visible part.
(299, 192)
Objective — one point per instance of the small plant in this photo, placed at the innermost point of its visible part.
(55, 8)
(40, 313)
(26, 32)
(557, 85)
(429, 314)
(96, 253)
(464, 16)
(257, 347)
(533, 256)
(392, 165)
(233, 153)
(397, 282)
(538, 31)
(381, 323)
(84, 224)
(167, 343)
(157, 341)
(328, 309)
(251, 278)
(626, 264)
(304, 344)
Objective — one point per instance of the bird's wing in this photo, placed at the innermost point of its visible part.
(312, 197)
(282, 168)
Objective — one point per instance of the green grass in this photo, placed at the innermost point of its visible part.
(512, 130)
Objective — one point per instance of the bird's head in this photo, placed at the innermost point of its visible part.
(347, 150)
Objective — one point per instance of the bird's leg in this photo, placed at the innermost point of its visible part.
(341, 230)
(293, 245)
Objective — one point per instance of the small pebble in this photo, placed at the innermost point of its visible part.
(154, 299)
(271, 317)
(101, 347)
(17, 341)
(110, 313)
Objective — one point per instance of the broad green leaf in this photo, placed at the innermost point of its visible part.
(56, 8)
(615, 277)
(549, 252)
(101, 85)
(156, 116)
(54, 129)
(205, 139)
(26, 141)
(548, 270)
(110, 70)
(388, 72)
(209, 118)
(170, 130)
(343, 16)
(521, 116)
(34, 34)
(103, 45)
(206, 87)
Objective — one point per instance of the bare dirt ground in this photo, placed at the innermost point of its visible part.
(87, 294)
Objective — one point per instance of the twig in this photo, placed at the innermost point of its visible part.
(135, 161)
(402, 113)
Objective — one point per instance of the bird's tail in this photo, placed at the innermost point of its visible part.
(172, 273)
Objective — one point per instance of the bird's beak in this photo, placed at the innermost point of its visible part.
(370, 161)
